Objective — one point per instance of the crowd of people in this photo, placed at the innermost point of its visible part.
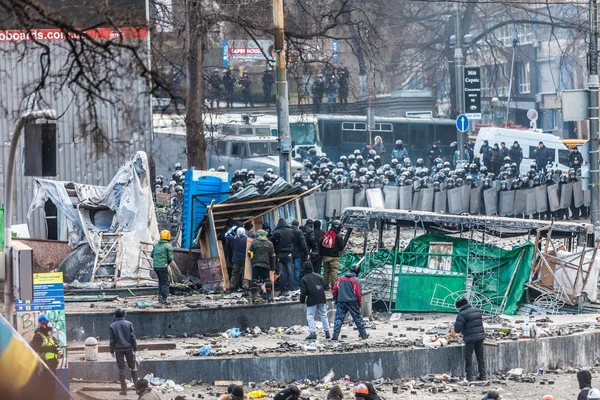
(224, 86)
(333, 83)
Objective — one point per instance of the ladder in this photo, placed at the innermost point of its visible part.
(145, 250)
(107, 254)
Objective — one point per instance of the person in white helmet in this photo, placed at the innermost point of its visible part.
(593, 394)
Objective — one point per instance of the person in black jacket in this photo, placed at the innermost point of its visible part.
(543, 157)
(316, 258)
(308, 229)
(330, 252)
(299, 253)
(239, 241)
(283, 240)
(516, 154)
(433, 153)
(469, 322)
(291, 393)
(575, 155)
(486, 153)
(312, 292)
(584, 377)
(123, 346)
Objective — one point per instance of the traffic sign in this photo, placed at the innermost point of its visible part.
(462, 123)
(472, 84)
(532, 115)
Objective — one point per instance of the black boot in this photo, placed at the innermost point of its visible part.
(123, 383)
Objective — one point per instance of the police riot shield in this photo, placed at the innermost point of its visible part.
(405, 197)
(320, 199)
(553, 200)
(587, 198)
(310, 207)
(375, 198)
(490, 201)
(360, 199)
(347, 199)
(531, 204)
(474, 195)
(333, 204)
(507, 202)
(566, 192)
(390, 197)
(455, 201)
(577, 194)
(520, 202)
(426, 203)
(439, 201)
(466, 195)
(416, 200)
(541, 199)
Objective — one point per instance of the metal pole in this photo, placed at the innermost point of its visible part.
(8, 195)
(593, 85)
(458, 72)
(512, 69)
(283, 123)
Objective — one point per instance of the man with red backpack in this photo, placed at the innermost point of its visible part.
(330, 248)
(348, 298)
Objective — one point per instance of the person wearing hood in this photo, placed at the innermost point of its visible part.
(283, 240)
(308, 229)
(312, 292)
(330, 248)
(584, 377)
(145, 392)
(123, 346)
(366, 391)
(335, 393)
(234, 392)
(469, 322)
(399, 152)
(299, 252)
(262, 257)
(239, 241)
(46, 346)
(348, 298)
(316, 258)
(291, 393)
(162, 256)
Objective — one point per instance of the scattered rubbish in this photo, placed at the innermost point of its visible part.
(154, 380)
(310, 347)
(257, 330)
(232, 333)
(516, 372)
(329, 377)
(205, 350)
(396, 317)
(257, 394)
(431, 342)
(143, 304)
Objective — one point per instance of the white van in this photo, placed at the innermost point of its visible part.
(529, 141)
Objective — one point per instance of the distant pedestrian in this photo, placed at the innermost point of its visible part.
(229, 83)
(469, 322)
(144, 391)
(162, 256)
(379, 147)
(504, 152)
(263, 259)
(299, 253)
(317, 91)
(291, 393)
(267, 84)
(330, 249)
(238, 239)
(246, 85)
(123, 346)
(331, 89)
(516, 155)
(495, 159)
(312, 292)
(348, 298)
(584, 378)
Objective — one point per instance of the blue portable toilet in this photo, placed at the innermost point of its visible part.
(199, 190)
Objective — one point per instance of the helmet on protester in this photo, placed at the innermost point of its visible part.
(336, 225)
(593, 394)
(119, 312)
(221, 169)
(165, 235)
(355, 268)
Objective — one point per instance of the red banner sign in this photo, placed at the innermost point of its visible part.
(57, 34)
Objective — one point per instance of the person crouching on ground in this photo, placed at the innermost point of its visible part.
(348, 298)
(262, 256)
(469, 322)
(312, 292)
(162, 256)
(234, 392)
(291, 393)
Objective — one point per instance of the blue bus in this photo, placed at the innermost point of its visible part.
(342, 134)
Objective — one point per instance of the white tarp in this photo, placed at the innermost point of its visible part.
(565, 277)
(128, 196)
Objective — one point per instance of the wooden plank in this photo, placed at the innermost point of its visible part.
(283, 204)
(223, 265)
(211, 232)
(141, 347)
(243, 203)
(248, 263)
(227, 383)
(244, 210)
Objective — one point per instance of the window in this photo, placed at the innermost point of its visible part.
(525, 33)
(245, 131)
(258, 149)
(383, 127)
(355, 137)
(228, 130)
(262, 131)
(563, 157)
(222, 148)
(303, 134)
(505, 34)
(524, 78)
(354, 126)
(237, 149)
(331, 135)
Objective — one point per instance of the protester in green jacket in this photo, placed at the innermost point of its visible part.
(262, 257)
(162, 256)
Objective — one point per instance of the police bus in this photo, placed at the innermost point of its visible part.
(342, 134)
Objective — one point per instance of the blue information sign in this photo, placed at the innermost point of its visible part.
(462, 123)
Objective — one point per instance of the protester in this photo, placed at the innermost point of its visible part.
(584, 377)
(234, 392)
(312, 292)
(469, 322)
(308, 229)
(123, 346)
(366, 391)
(249, 227)
(238, 239)
(299, 253)
(291, 393)
(316, 258)
(593, 394)
(47, 347)
(335, 393)
(283, 240)
(348, 298)
(492, 395)
(330, 249)
(144, 392)
(162, 256)
(263, 260)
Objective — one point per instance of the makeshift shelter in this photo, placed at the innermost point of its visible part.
(106, 225)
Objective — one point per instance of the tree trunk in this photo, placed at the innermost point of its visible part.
(195, 139)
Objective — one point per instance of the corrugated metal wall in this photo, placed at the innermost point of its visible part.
(125, 125)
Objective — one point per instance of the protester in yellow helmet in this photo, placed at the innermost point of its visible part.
(162, 256)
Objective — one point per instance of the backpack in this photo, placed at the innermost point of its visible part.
(329, 239)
